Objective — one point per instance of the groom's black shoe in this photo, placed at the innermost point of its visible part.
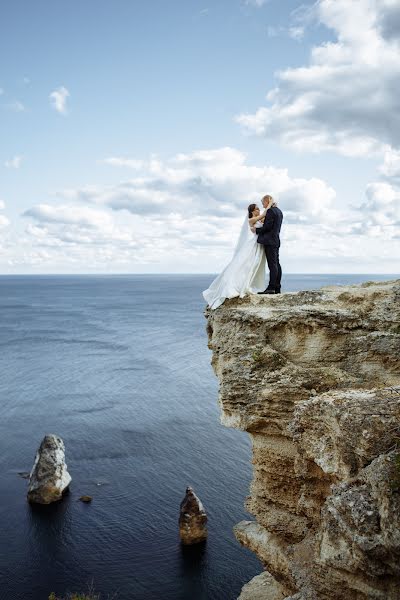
(277, 290)
(267, 291)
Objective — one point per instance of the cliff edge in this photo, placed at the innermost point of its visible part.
(314, 378)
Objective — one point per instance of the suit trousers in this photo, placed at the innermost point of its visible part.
(274, 266)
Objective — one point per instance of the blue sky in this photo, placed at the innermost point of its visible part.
(162, 133)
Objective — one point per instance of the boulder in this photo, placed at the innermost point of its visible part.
(192, 519)
(86, 499)
(49, 478)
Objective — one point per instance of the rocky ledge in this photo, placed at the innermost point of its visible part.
(314, 378)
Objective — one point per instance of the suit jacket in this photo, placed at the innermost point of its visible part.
(268, 234)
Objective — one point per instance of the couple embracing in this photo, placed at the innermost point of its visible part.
(258, 243)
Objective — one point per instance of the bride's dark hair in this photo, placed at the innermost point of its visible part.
(251, 208)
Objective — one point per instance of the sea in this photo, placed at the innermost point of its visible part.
(118, 366)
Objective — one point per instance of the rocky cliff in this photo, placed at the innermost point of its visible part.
(314, 378)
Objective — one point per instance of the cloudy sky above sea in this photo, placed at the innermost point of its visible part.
(134, 134)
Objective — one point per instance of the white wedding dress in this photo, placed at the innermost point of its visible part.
(245, 274)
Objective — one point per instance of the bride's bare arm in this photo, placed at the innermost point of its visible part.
(253, 220)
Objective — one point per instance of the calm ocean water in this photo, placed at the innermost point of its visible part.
(118, 366)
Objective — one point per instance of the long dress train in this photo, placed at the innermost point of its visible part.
(245, 274)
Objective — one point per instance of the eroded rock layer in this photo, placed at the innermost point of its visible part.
(314, 378)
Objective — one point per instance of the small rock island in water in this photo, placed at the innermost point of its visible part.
(49, 478)
(192, 519)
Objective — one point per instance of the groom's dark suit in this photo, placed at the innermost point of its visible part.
(268, 236)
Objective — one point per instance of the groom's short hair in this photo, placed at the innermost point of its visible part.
(267, 197)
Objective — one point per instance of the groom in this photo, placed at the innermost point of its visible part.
(268, 236)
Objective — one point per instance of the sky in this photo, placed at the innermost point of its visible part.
(133, 134)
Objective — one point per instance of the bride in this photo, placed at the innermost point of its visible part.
(245, 274)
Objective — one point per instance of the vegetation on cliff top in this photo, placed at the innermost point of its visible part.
(75, 596)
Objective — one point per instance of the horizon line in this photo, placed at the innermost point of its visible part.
(177, 274)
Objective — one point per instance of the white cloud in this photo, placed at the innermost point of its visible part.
(71, 215)
(210, 182)
(13, 163)
(379, 214)
(391, 163)
(4, 222)
(83, 233)
(185, 213)
(346, 98)
(296, 32)
(175, 213)
(75, 237)
(75, 224)
(58, 99)
(116, 161)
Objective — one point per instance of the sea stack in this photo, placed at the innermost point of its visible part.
(49, 478)
(192, 519)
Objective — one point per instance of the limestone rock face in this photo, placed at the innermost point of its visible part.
(49, 477)
(314, 378)
(262, 587)
(192, 519)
